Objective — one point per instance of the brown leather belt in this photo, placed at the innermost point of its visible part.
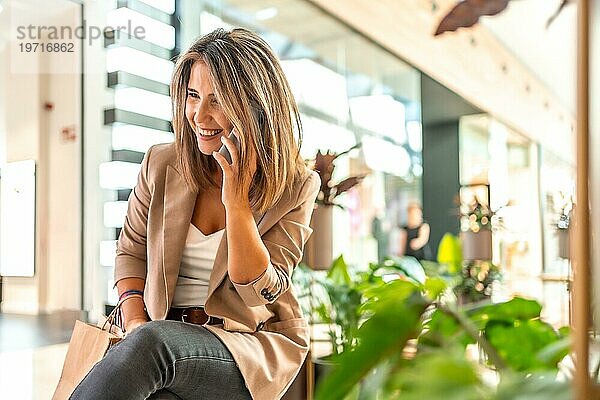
(193, 315)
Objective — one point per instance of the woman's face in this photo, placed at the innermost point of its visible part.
(203, 111)
(415, 216)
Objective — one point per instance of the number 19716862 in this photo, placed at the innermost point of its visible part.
(32, 47)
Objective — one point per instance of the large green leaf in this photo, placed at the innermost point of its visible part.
(440, 374)
(533, 387)
(443, 330)
(515, 309)
(434, 287)
(553, 353)
(407, 267)
(519, 342)
(412, 268)
(450, 253)
(383, 335)
(338, 273)
(379, 297)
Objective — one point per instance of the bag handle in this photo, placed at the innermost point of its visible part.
(113, 314)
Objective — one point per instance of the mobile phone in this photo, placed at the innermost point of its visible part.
(225, 152)
(236, 141)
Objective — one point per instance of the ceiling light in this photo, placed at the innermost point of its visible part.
(266, 13)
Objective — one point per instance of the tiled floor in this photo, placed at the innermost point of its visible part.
(31, 373)
(32, 351)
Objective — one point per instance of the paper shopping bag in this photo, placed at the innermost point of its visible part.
(88, 345)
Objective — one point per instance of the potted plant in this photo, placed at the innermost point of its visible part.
(476, 231)
(412, 344)
(339, 310)
(474, 279)
(319, 248)
(335, 298)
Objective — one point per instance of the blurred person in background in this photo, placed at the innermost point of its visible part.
(413, 238)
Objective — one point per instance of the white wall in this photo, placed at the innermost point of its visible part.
(22, 121)
(3, 67)
(97, 149)
(35, 133)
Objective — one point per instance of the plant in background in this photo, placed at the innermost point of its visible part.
(476, 216)
(477, 279)
(473, 279)
(336, 298)
(564, 207)
(450, 253)
(339, 308)
(395, 335)
(324, 165)
(412, 345)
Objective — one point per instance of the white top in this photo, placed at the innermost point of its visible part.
(196, 266)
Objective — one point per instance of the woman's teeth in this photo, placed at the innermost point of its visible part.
(209, 132)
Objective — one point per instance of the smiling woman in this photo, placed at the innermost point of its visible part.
(210, 244)
(215, 87)
(202, 109)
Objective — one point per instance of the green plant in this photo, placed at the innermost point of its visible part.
(476, 216)
(476, 281)
(339, 309)
(473, 280)
(336, 298)
(450, 253)
(414, 346)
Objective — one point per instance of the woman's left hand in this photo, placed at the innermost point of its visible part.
(234, 191)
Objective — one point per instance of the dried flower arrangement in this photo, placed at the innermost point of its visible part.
(324, 165)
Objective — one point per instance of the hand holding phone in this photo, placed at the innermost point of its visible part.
(225, 152)
(236, 141)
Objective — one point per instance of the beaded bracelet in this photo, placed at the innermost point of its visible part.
(128, 292)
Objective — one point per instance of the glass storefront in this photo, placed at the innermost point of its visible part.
(557, 190)
(528, 190)
(349, 91)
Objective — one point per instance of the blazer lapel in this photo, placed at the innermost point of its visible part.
(179, 204)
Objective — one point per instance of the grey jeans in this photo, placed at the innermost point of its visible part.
(165, 359)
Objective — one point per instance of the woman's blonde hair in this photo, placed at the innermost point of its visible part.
(250, 86)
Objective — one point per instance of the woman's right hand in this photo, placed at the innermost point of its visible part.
(134, 323)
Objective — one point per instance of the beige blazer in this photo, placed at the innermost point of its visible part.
(263, 328)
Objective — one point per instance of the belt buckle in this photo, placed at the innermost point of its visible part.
(184, 312)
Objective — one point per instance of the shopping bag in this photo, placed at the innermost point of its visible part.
(88, 345)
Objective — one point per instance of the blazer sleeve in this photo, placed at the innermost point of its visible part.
(130, 260)
(285, 243)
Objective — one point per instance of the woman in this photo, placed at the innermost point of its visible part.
(213, 245)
